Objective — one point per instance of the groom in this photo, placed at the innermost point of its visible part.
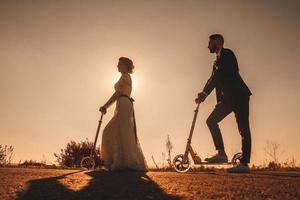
(232, 96)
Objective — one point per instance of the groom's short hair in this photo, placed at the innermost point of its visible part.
(217, 36)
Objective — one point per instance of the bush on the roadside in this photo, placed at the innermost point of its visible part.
(2, 154)
(273, 162)
(6, 154)
(74, 152)
(32, 163)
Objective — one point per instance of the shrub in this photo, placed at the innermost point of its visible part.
(74, 152)
(2, 155)
(32, 163)
(6, 154)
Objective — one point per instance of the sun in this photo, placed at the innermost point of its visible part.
(134, 78)
(135, 82)
(116, 77)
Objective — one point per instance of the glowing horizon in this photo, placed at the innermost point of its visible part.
(58, 66)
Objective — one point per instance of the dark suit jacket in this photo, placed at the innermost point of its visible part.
(225, 77)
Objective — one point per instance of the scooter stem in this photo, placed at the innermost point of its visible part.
(194, 122)
(192, 130)
(97, 133)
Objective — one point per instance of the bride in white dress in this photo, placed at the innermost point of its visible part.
(120, 148)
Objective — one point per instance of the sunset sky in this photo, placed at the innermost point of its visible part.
(58, 66)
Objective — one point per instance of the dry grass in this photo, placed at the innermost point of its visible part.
(24, 183)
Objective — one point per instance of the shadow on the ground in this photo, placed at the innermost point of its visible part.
(103, 185)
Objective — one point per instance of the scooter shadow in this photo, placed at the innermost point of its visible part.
(103, 185)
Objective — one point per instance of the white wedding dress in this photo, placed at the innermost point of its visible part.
(119, 149)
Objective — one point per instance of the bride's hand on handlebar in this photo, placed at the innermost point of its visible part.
(103, 109)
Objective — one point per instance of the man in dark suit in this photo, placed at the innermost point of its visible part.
(232, 96)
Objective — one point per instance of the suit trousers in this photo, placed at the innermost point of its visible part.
(241, 111)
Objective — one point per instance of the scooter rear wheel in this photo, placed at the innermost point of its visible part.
(87, 163)
(236, 159)
(179, 165)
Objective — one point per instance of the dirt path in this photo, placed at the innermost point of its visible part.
(18, 183)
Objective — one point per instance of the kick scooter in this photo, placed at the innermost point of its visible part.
(182, 163)
(93, 160)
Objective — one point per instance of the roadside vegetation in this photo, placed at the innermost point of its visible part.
(70, 156)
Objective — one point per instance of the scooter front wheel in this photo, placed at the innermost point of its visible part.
(87, 163)
(181, 166)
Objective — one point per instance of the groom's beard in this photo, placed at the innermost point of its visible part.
(213, 49)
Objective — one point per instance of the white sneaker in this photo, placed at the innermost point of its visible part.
(240, 168)
(217, 159)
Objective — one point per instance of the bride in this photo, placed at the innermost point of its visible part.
(120, 148)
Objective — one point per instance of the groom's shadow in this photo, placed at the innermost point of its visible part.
(103, 185)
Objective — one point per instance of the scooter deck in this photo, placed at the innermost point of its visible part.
(208, 163)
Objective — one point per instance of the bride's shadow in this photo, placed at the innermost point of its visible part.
(103, 185)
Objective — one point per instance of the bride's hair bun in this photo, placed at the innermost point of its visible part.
(128, 63)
